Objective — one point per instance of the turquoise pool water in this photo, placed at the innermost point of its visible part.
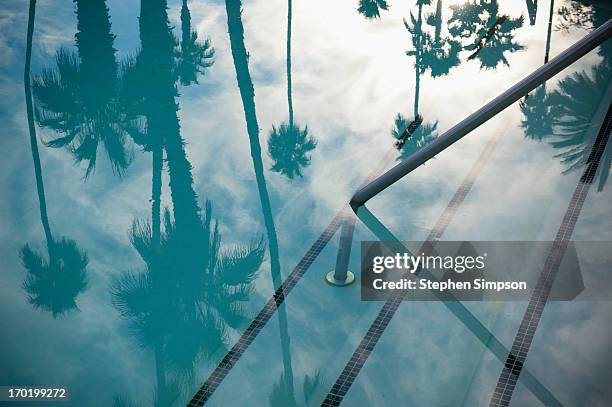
(171, 187)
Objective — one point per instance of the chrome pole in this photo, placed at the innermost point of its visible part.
(341, 275)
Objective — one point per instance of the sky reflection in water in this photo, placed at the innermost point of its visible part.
(158, 204)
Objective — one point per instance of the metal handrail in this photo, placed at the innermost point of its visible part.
(461, 129)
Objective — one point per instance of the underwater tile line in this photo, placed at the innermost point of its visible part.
(531, 319)
(378, 327)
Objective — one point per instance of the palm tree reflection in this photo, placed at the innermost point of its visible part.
(194, 56)
(532, 10)
(475, 26)
(288, 144)
(192, 289)
(80, 96)
(53, 284)
(440, 53)
(486, 33)
(576, 14)
(536, 110)
(426, 58)
(573, 105)
(183, 302)
(565, 115)
(586, 15)
(417, 37)
(371, 8)
(423, 135)
(247, 94)
(535, 106)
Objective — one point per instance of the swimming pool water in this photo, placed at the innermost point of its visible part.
(186, 156)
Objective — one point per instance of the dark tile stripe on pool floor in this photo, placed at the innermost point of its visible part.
(524, 337)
